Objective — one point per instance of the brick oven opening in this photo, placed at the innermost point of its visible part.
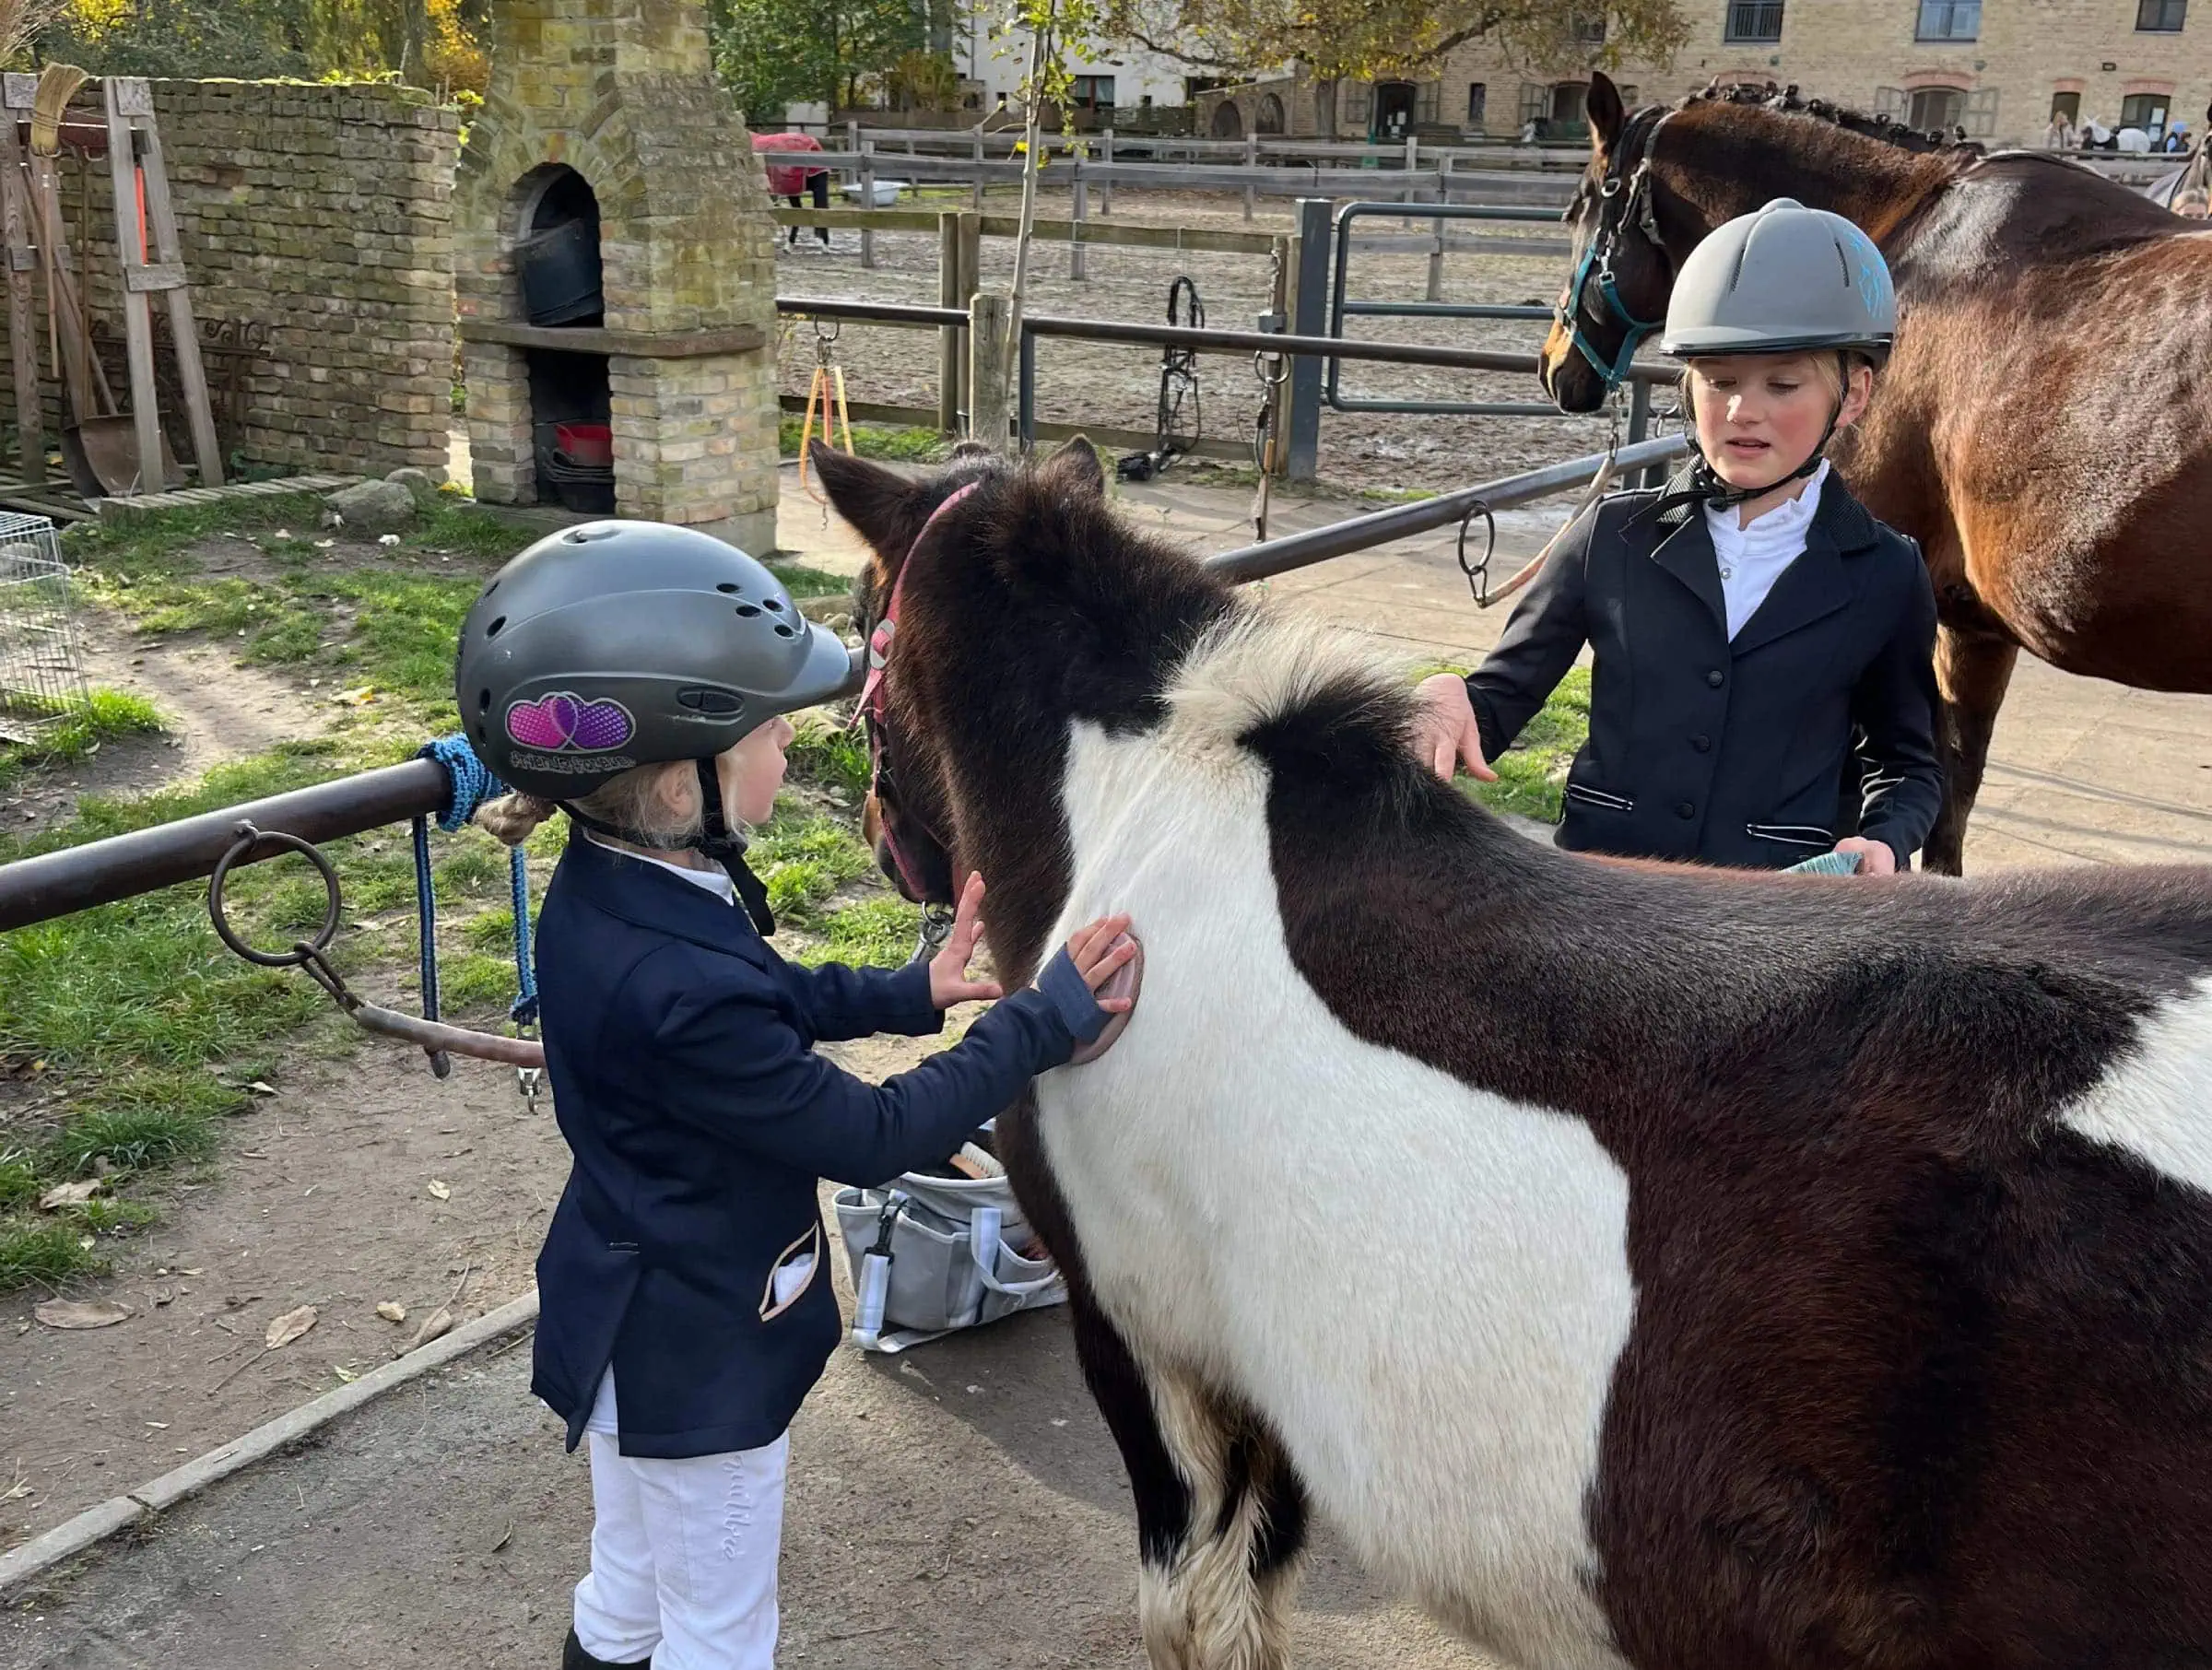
(557, 262)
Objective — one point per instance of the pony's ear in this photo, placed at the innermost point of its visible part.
(882, 505)
(1603, 105)
(1074, 469)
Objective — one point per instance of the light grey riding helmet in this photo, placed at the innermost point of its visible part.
(1783, 279)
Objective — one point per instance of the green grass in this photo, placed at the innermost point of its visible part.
(79, 733)
(803, 582)
(43, 1254)
(891, 443)
(153, 1121)
(1532, 774)
(805, 860)
(18, 1181)
(879, 932)
(830, 755)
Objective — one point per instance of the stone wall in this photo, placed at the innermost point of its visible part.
(323, 212)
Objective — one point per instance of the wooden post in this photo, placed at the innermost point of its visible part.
(1413, 148)
(988, 316)
(1436, 245)
(17, 249)
(949, 336)
(1076, 231)
(184, 328)
(137, 310)
(1106, 187)
(868, 201)
(979, 167)
(1252, 160)
(970, 278)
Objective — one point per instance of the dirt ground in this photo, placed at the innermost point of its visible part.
(1113, 385)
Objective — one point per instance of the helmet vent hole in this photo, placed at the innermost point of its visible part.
(483, 701)
(493, 630)
(746, 611)
(727, 588)
(786, 629)
(491, 588)
(774, 605)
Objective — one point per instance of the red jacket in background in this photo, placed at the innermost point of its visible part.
(788, 181)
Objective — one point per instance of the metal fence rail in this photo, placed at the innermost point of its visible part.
(124, 866)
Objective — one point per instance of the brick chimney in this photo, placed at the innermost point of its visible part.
(616, 279)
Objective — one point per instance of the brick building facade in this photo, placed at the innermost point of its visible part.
(1995, 67)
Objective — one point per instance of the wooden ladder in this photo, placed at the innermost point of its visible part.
(134, 152)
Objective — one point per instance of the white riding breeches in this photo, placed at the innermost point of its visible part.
(683, 1554)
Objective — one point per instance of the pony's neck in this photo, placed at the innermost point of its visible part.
(1722, 161)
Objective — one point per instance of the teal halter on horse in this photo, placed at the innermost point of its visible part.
(1597, 261)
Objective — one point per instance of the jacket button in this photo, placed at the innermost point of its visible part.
(1686, 810)
(1702, 744)
(1716, 678)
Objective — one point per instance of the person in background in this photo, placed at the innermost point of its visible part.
(788, 181)
(2177, 137)
(2060, 135)
(1750, 622)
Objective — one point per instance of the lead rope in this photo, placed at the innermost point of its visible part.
(426, 938)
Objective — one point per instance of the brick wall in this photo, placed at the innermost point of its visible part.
(1851, 51)
(324, 212)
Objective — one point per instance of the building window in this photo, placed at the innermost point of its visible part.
(1937, 109)
(1754, 21)
(2161, 16)
(1093, 92)
(1589, 28)
(1949, 20)
(2068, 106)
(2145, 110)
(1478, 103)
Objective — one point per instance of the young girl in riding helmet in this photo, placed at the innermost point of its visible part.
(635, 678)
(1762, 675)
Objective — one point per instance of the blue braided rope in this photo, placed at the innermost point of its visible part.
(469, 784)
(524, 1012)
(469, 781)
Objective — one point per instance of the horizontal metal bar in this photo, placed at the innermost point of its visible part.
(1211, 341)
(100, 872)
(1450, 409)
(1444, 309)
(1531, 213)
(1363, 533)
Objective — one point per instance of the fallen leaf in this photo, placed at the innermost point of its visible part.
(438, 1191)
(387, 540)
(506, 1536)
(346, 1375)
(359, 696)
(21, 1488)
(86, 1244)
(77, 1314)
(70, 1195)
(440, 1321)
(289, 1327)
(259, 1089)
(158, 1426)
(323, 545)
(162, 1297)
(192, 1271)
(392, 1311)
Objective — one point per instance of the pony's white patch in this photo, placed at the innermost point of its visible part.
(2157, 1101)
(1422, 1287)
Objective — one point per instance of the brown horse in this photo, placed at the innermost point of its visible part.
(2042, 428)
(1643, 1268)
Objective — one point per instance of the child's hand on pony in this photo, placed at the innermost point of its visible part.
(1098, 953)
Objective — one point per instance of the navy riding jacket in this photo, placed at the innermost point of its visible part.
(681, 1051)
(1728, 751)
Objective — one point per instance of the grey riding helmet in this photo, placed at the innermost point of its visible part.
(1783, 279)
(615, 644)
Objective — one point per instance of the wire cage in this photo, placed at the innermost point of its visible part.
(41, 680)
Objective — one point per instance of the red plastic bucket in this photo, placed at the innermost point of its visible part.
(590, 444)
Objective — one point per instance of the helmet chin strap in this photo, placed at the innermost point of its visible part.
(1706, 486)
(715, 840)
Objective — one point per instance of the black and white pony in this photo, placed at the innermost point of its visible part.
(1639, 1265)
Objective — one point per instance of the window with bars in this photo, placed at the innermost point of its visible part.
(1754, 21)
(2161, 16)
(1949, 20)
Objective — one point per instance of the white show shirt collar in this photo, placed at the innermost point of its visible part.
(715, 881)
(1752, 559)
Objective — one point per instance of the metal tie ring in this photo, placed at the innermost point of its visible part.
(1477, 573)
(250, 841)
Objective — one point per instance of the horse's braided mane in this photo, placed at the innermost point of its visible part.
(1771, 96)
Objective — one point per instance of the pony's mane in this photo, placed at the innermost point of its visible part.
(1786, 100)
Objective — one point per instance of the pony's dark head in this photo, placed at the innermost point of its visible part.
(1022, 604)
(1619, 273)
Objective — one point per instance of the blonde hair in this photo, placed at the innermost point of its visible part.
(1829, 366)
(632, 801)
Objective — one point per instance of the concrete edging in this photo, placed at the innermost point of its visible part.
(99, 1522)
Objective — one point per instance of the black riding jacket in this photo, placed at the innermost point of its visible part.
(1728, 752)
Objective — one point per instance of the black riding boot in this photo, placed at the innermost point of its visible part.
(573, 1657)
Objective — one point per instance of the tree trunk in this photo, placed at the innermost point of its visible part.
(1324, 108)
